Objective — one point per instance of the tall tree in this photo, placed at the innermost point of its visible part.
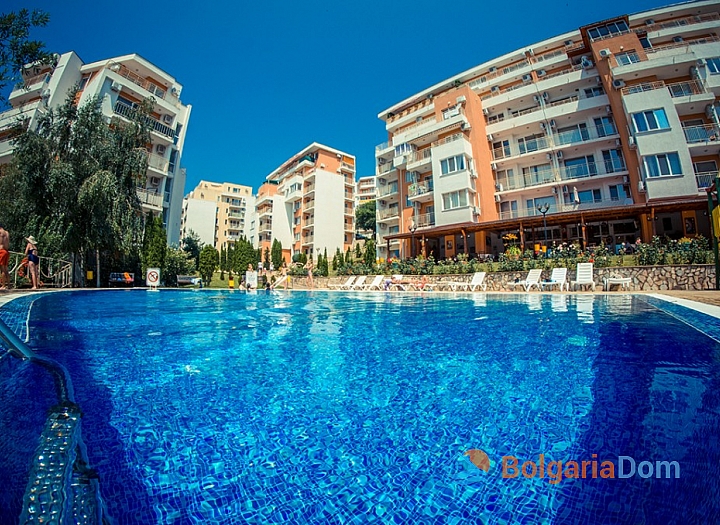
(266, 258)
(369, 255)
(16, 48)
(276, 255)
(365, 216)
(209, 260)
(177, 262)
(154, 243)
(191, 245)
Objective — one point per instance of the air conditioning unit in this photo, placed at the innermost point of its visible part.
(649, 22)
(160, 149)
(641, 186)
(494, 166)
(677, 39)
(543, 125)
(700, 62)
(492, 70)
(499, 187)
(486, 111)
(495, 89)
(548, 156)
(473, 174)
(618, 83)
(694, 74)
(476, 210)
(490, 137)
(608, 109)
(546, 95)
(586, 63)
(618, 143)
(527, 78)
(559, 154)
(116, 86)
(568, 42)
(554, 190)
(631, 142)
(155, 181)
(465, 126)
(45, 93)
(461, 99)
(541, 73)
(604, 53)
(383, 203)
(598, 81)
(626, 179)
(498, 198)
(710, 111)
(382, 182)
(536, 98)
(167, 119)
(566, 189)
(383, 226)
(552, 123)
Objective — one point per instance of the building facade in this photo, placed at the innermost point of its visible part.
(219, 213)
(365, 190)
(308, 203)
(600, 135)
(121, 83)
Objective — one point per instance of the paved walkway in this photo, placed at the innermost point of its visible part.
(702, 296)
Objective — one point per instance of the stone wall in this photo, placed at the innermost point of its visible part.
(643, 278)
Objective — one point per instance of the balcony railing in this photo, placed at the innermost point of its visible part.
(129, 112)
(526, 212)
(679, 22)
(420, 156)
(382, 146)
(424, 220)
(384, 191)
(447, 140)
(389, 213)
(705, 179)
(701, 134)
(565, 173)
(415, 190)
(604, 203)
(27, 84)
(563, 138)
(157, 162)
(680, 45)
(685, 89)
(136, 79)
(151, 198)
(308, 239)
(309, 204)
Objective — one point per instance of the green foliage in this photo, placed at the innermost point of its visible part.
(337, 260)
(266, 258)
(348, 257)
(358, 251)
(323, 267)
(177, 262)
(223, 261)
(191, 245)
(154, 243)
(369, 256)
(365, 216)
(243, 254)
(16, 48)
(276, 255)
(694, 250)
(209, 260)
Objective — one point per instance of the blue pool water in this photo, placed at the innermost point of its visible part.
(219, 407)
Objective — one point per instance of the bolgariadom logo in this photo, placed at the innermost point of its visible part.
(555, 471)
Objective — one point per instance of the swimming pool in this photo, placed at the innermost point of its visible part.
(221, 407)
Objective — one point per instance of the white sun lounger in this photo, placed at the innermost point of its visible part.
(532, 279)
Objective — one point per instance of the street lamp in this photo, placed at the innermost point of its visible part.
(543, 208)
(413, 227)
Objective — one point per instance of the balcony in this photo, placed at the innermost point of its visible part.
(386, 191)
(390, 213)
(155, 125)
(308, 239)
(682, 22)
(347, 167)
(29, 89)
(309, 222)
(564, 174)
(155, 90)
(308, 189)
(701, 135)
(309, 205)
(604, 203)
(383, 146)
(705, 179)
(424, 220)
(264, 211)
(265, 227)
(158, 163)
(421, 192)
(152, 199)
(526, 212)
(420, 159)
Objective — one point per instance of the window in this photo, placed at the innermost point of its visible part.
(605, 126)
(645, 42)
(394, 229)
(662, 165)
(580, 167)
(506, 179)
(619, 192)
(613, 160)
(594, 92)
(583, 197)
(404, 149)
(501, 149)
(629, 57)
(532, 143)
(410, 176)
(508, 210)
(614, 28)
(534, 204)
(578, 133)
(713, 65)
(650, 120)
(539, 174)
(454, 199)
(453, 164)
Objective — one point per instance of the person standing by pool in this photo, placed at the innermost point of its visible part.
(309, 268)
(31, 253)
(4, 258)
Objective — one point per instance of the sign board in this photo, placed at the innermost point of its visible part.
(251, 279)
(152, 278)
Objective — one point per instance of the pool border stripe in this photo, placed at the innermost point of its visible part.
(705, 317)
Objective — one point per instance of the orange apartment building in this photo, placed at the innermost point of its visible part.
(599, 135)
(307, 203)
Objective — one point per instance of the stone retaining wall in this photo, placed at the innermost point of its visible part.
(643, 278)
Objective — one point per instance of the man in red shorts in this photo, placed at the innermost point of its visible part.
(4, 258)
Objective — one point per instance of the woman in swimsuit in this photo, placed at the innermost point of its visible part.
(31, 253)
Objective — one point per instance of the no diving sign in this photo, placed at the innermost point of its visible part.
(152, 279)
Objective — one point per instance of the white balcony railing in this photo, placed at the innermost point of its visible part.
(151, 198)
(389, 213)
(424, 220)
(701, 134)
(136, 79)
(415, 190)
(157, 162)
(390, 189)
(705, 179)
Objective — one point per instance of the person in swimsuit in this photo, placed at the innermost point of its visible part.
(4, 258)
(31, 253)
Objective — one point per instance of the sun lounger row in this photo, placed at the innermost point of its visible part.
(380, 282)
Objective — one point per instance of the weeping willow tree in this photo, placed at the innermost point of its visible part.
(72, 182)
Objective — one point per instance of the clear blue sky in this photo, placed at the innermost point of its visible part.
(266, 79)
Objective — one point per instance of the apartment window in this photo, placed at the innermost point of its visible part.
(532, 143)
(578, 133)
(454, 199)
(580, 167)
(393, 229)
(614, 161)
(614, 28)
(410, 177)
(594, 92)
(501, 149)
(645, 42)
(404, 149)
(505, 179)
(496, 118)
(619, 192)
(540, 174)
(629, 57)
(583, 197)
(451, 112)
(296, 206)
(508, 210)
(662, 165)
(650, 120)
(297, 237)
(605, 126)
(713, 65)
(533, 204)
(453, 164)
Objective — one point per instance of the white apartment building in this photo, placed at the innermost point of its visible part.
(365, 190)
(602, 134)
(220, 213)
(121, 83)
(308, 203)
